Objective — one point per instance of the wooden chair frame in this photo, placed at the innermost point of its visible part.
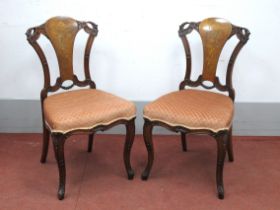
(223, 137)
(58, 139)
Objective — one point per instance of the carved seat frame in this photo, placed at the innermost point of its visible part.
(58, 139)
(223, 137)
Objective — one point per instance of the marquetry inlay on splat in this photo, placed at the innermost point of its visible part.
(214, 34)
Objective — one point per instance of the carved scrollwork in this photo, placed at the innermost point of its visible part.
(200, 82)
(33, 34)
(242, 34)
(75, 82)
(187, 27)
(90, 27)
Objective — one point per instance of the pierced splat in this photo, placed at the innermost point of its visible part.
(214, 33)
(62, 31)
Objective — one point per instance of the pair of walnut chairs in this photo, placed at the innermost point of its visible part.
(90, 110)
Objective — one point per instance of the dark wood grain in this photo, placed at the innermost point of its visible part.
(61, 31)
(58, 145)
(209, 73)
(221, 139)
(214, 33)
(147, 132)
(130, 133)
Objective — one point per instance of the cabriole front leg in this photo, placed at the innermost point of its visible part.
(58, 143)
(147, 133)
(221, 143)
(130, 133)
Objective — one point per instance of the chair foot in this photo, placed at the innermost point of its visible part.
(130, 174)
(61, 192)
(230, 159)
(145, 175)
(220, 190)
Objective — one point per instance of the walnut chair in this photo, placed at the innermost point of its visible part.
(77, 111)
(192, 111)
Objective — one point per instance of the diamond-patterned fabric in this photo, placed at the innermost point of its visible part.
(192, 109)
(85, 109)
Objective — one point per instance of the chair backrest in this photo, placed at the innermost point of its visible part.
(62, 31)
(214, 33)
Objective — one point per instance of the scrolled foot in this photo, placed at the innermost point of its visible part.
(220, 192)
(145, 175)
(61, 192)
(130, 174)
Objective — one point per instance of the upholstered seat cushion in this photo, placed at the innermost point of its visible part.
(85, 109)
(192, 109)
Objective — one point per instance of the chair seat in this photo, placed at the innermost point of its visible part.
(85, 109)
(192, 109)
